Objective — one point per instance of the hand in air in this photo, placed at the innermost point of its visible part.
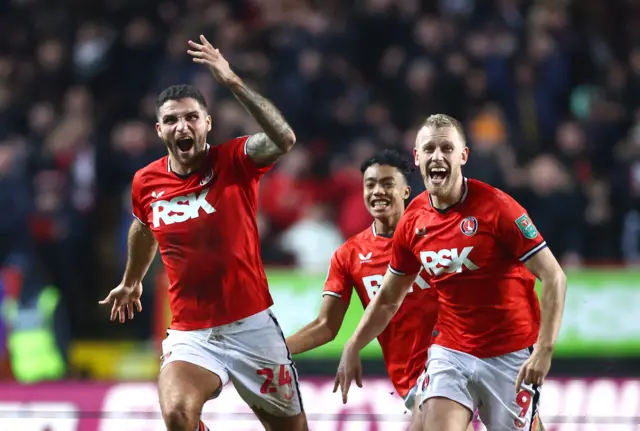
(206, 54)
(124, 298)
(535, 369)
(350, 367)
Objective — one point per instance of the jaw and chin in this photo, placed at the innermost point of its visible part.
(387, 209)
(439, 178)
(188, 147)
(185, 150)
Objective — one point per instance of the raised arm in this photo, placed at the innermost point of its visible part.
(278, 137)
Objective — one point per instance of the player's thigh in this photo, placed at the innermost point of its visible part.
(190, 375)
(448, 375)
(443, 414)
(416, 414)
(417, 418)
(262, 369)
(502, 408)
(445, 394)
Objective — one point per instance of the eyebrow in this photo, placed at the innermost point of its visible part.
(443, 142)
(170, 116)
(388, 178)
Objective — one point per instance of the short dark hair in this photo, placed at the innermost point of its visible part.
(390, 157)
(177, 92)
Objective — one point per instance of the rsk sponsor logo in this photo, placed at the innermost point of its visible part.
(447, 260)
(180, 208)
(372, 284)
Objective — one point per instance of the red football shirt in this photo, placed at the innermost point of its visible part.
(361, 263)
(474, 254)
(205, 225)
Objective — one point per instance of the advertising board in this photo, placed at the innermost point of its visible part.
(567, 405)
(600, 313)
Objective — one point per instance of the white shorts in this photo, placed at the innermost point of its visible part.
(486, 384)
(410, 398)
(251, 352)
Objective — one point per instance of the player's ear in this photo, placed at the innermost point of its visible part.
(464, 156)
(407, 193)
(415, 157)
(158, 130)
(208, 123)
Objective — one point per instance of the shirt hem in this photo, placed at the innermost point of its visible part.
(208, 324)
(486, 353)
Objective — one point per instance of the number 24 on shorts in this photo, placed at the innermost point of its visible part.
(284, 379)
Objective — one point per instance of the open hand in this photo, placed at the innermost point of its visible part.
(124, 298)
(350, 368)
(205, 53)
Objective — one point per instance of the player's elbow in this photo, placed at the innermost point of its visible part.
(288, 140)
(557, 277)
(561, 282)
(393, 293)
(555, 282)
(328, 328)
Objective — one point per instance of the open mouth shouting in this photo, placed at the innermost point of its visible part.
(438, 175)
(185, 144)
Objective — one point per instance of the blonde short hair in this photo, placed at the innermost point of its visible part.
(439, 121)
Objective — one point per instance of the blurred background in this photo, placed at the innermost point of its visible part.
(549, 93)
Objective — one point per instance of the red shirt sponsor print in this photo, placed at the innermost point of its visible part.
(474, 255)
(205, 225)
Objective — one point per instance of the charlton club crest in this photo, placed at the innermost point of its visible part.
(469, 226)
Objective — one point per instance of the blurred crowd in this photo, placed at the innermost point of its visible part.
(548, 91)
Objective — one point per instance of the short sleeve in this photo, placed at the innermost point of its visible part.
(338, 283)
(516, 230)
(237, 149)
(136, 199)
(403, 260)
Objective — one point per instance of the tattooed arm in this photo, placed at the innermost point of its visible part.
(278, 137)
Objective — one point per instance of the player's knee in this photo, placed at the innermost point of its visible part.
(181, 415)
(270, 422)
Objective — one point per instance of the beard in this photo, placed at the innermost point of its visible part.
(439, 178)
(186, 155)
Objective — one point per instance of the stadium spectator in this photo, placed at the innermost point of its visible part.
(544, 88)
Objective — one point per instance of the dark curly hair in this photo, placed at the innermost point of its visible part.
(177, 92)
(390, 157)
